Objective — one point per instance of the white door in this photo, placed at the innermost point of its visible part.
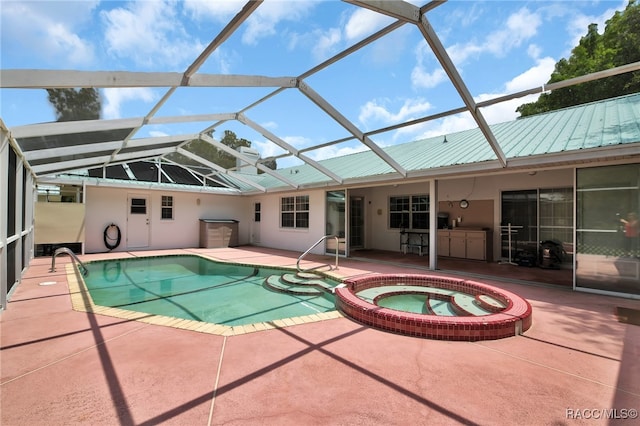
(138, 221)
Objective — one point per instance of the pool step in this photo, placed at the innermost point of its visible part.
(303, 278)
(440, 306)
(301, 284)
(490, 303)
(306, 276)
(466, 305)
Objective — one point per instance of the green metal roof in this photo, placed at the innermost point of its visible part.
(591, 132)
(572, 130)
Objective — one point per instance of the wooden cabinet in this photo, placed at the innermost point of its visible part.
(443, 243)
(218, 233)
(465, 244)
(457, 244)
(476, 245)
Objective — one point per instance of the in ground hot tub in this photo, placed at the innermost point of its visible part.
(453, 308)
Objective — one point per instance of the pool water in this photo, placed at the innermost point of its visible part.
(195, 288)
(405, 302)
(417, 303)
(426, 300)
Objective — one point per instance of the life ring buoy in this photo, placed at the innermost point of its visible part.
(109, 241)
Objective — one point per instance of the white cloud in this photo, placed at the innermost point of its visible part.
(389, 49)
(533, 77)
(578, 25)
(498, 113)
(297, 141)
(272, 125)
(504, 111)
(420, 77)
(336, 151)
(270, 149)
(364, 22)
(116, 97)
(150, 34)
(262, 23)
(49, 30)
(465, 16)
(459, 53)
(221, 11)
(361, 23)
(267, 149)
(377, 111)
(76, 50)
(447, 125)
(519, 27)
(534, 51)
(327, 43)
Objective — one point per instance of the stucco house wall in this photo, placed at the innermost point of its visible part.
(110, 205)
(269, 233)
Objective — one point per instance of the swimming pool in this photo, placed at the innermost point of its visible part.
(194, 288)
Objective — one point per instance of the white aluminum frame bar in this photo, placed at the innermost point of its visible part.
(220, 169)
(349, 126)
(410, 13)
(61, 79)
(284, 145)
(442, 55)
(236, 154)
(46, 153)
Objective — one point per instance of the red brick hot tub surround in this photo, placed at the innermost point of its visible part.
(512, 320)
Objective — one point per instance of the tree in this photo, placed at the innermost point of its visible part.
(75, 104)
(618, 45)
(218, 156)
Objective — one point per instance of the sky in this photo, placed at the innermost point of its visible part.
(498, 47)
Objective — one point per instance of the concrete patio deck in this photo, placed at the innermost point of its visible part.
(60, 366)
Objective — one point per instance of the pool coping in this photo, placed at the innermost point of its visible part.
(82, 301)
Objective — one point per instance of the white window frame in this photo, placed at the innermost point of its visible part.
(407, 215)
(166, 204)
(294, 208)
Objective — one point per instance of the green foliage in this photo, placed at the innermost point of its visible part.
(206, 150)
(75, 104)
(618, 45)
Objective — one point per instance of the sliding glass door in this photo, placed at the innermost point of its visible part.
(519, 222)
(532, 217)
(335, 222)
(607, 238)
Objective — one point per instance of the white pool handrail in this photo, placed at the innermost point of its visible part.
(331, 268)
